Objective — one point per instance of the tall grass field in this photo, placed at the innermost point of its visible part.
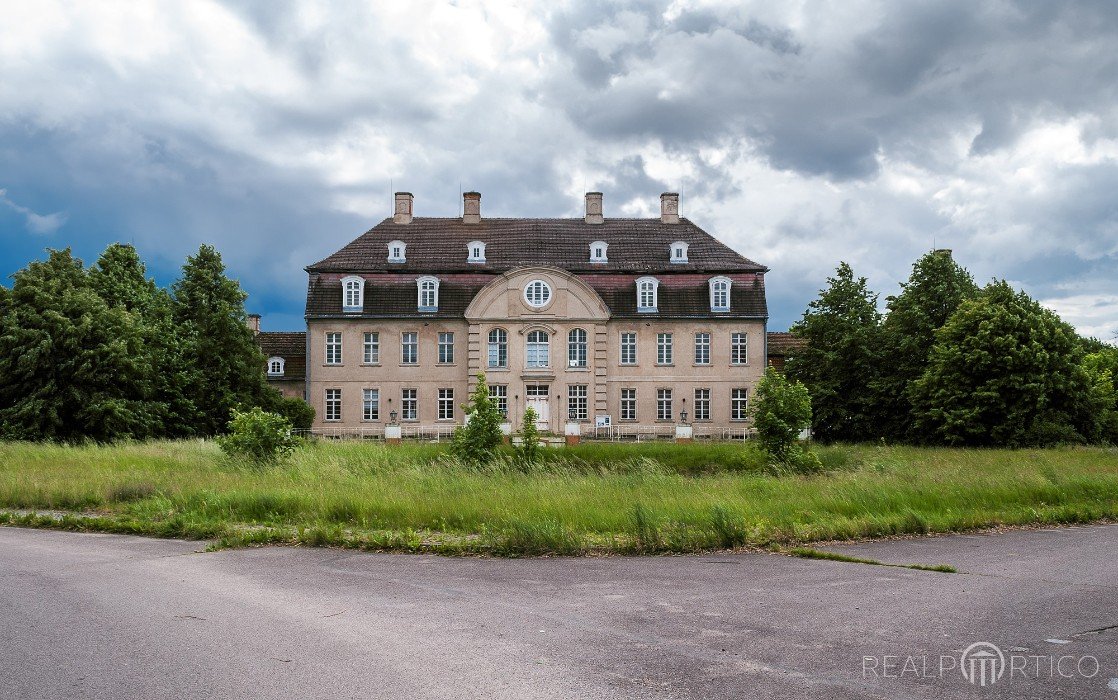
(593, 498)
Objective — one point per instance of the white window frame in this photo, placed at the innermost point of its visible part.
(664, 404)
(719, 296)
(648, 289)
(578, 348)
(499, 346)
(413, 343)
(371, 348)
(739, 403)
(678, 252)
(275, 366)
(427, 293)
(370, 404)
(702, 404)
(599, 252)
(702, 348)
(739, 348)
(397, 252)
(409, 404)
(625, 358)
(537, 294)
(446, 404)
(499, 395)
(333, 349)
(353, 290)
(333, 405)
(446, 347)
(475, 252)
(628, 404)
(578, 402)
(665, 352)
(536, 349)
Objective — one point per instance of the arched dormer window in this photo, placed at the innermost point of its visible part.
(647, 293)
(275, 366)
(397, 251)
(720, 293)
(428, 289)
(598, 252)
(475, 252)
(353, 294)
(678, 253)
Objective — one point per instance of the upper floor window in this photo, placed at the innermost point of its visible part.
(663, 348)
(446, 348)
(428, 293)
(275, 366)
(397, 252)
(576, 348)
(720, 294)
(476, 252)
(598, 252)
(498, 348)
(739, 348)
(539, 349)
(678, 252)
(333, 348)
(628, 348)
(409, 348)
(702, 348)
(372, 348)
(353, 293)
(537, 293)
(647, 288)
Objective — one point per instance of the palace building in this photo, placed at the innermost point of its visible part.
(642, 323)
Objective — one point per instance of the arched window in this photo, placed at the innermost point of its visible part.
(598, 252)
(397, 251)
(475, 252)
(720, 294)
(678, 252)
(498, 348)
(647, 288)
(537, 293)
(275, 366)
(538, 349)
(428, 293)
(353, 293)
(576, 348)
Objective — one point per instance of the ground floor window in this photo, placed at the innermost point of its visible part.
(577, 408)
(536, 391)
(333, 404)
(663, 404)
(702, 404)
(499, 395)
(370, 409)
(739, 404)
(409, 404)
(446, 404)
(628, 404)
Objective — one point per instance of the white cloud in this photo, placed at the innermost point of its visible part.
(40, 224)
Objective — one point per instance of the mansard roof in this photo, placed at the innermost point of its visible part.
(438, 245)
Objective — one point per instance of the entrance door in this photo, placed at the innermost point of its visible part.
(537, 400)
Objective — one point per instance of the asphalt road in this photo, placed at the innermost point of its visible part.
(105, 616)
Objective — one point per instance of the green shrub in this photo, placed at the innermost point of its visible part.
(259, 436)
(781, 410)
(298, 412)
(529, 450)
(477, 441)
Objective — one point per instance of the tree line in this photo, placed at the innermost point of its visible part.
(102, 353)
(951, 363)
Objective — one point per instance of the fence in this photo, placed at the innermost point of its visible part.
(625, 432)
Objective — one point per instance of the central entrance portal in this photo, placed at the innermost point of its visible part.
(537, 399)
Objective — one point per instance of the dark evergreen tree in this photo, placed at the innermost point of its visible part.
(934, 290)
(73, 368)
(209, 311)
(1004, 371)
(839, 364)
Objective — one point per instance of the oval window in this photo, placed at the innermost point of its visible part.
(537, 293)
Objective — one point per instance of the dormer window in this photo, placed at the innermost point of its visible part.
(475, 252)
(678, 252)
(275, 366)
(720, 294)
(598, 252)
(397, 251)
(647, 288)
(353, 294)
(428, 293)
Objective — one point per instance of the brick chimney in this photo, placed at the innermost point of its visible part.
(253, 323)
(594, 208)
(471, 208)
(402, 214)
(669, 208)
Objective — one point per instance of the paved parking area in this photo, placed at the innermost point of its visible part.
(106, 616)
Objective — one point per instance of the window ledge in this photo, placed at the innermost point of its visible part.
(333, 364)
(370, 364)
(409, 364)
(446, 364)
(497, 369)
(578, 369)
(664, 364)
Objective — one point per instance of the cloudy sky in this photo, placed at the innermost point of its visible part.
(800, 133)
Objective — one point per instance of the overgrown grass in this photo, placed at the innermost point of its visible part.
(611, 498)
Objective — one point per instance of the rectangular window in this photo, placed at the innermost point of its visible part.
(739, 403)
(628, 348)
(663, 348)
(577, 402)
(702, 348)
(409, 348)
(739, 348)
(663, 404)
(539, 348)
(409, 404)
(702, 404)
(333, 404)
(499, 394)
(498, 348)
(372, 349)
(628, 404)
(446, 404)
(333, 348)
(446, 348)
(370, 405)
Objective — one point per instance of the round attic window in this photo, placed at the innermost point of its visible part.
(537, 293)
